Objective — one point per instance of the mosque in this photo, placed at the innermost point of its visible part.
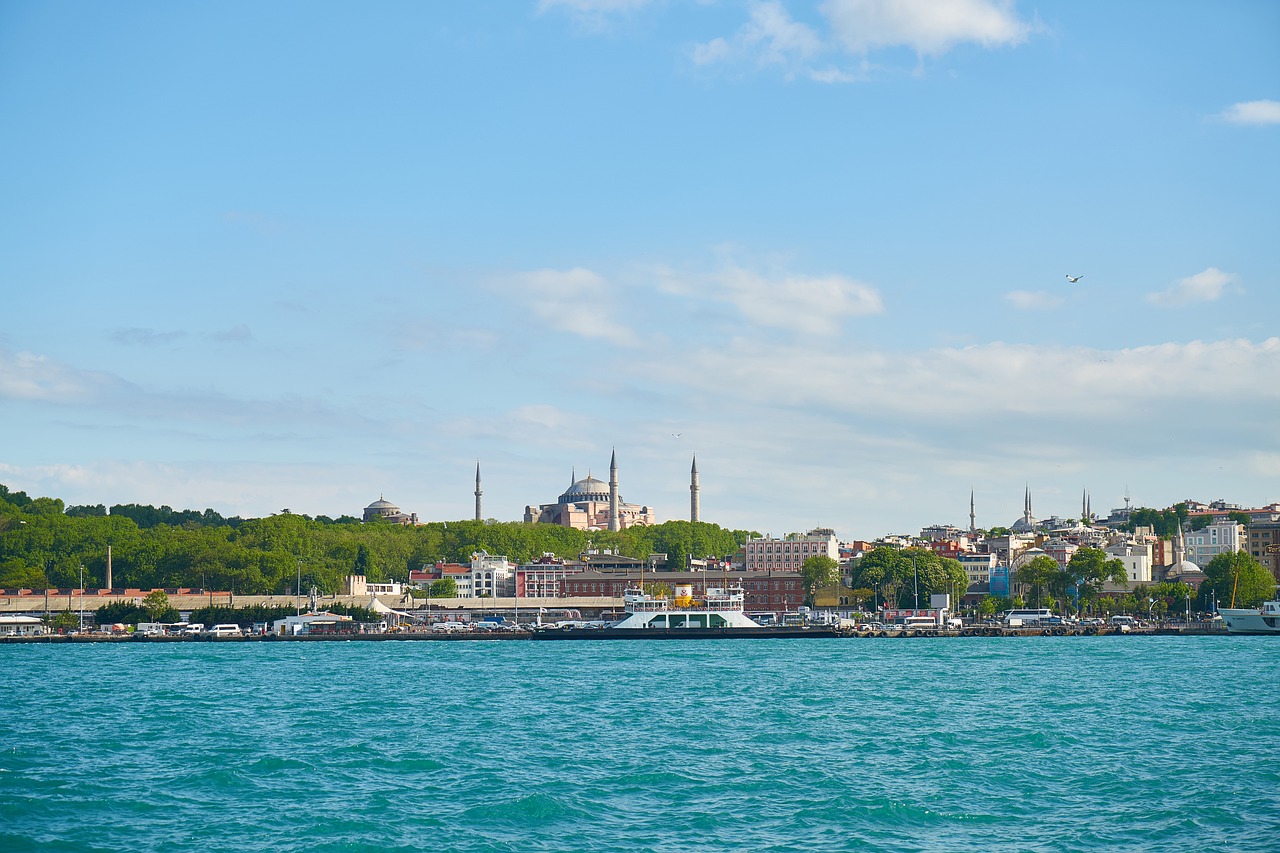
(588, 504)
(591, 504)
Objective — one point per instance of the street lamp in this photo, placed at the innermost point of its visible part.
(916, 576)
(82, 598)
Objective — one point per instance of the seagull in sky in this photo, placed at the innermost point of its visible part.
(675, 435)
(1074, 278)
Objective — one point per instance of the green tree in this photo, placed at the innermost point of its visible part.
(64, 621)
(444, 588)
(1038, 574)
(124, 612)
(1089, 570)
(1239, 580)
(156, 604)
(818, 572)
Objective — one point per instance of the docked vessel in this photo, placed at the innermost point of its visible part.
(1252, 620)
(717, 614)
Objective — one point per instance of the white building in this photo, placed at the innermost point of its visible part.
(789, 554)
(22, 626)
(1136, 557)
(1205, 544)
(978, 567)
(489, 576)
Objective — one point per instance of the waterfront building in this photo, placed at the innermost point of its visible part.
(22, 626)
(790, 553)
(1219, 538)
(544, 577)
(1137, 559)
(1060, 550)
(1264, 545)
(999, 583)
(768, 591)
(977, 567)
(591, 504)
(359, 586)
(490, 576)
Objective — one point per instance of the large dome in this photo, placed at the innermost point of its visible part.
(586, 489)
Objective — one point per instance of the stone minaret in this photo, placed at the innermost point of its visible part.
(479, 492)
(695, 500)
(615, 522)
(973, 527)
(1084, 507)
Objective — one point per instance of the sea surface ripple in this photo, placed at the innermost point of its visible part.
(1044, 744)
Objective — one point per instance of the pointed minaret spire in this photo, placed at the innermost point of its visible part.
(973, 527)
(695, 501)
(615, 521)
(479, 492)
(1084, 507)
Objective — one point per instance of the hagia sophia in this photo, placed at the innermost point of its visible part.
(588, 504)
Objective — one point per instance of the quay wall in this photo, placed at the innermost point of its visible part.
(59, 600)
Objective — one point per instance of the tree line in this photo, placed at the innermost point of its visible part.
(44, 545)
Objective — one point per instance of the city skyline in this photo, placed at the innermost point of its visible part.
(860, 257)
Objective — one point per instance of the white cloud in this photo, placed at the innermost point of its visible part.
(27, 376)
(1034, 300)
(769, 37)
(1253, 112)
(930, 27)
(1206, 286)
(575, 300)
(781, 299)
(593, 14)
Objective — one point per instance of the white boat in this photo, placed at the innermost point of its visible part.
(721, 607)
(1252, 620)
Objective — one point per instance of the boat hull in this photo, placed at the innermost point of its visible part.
(1250, 622)
(761, 632)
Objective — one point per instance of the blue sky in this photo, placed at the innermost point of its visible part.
(257, 256)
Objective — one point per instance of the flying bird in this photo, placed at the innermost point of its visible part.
(675, 435)
(1074, 278)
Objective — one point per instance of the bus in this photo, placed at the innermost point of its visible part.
(1028, 618)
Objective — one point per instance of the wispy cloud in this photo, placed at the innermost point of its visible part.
(1253, 112)
(145, 337)
(236, 334)
(1034, 300)
(576, 300)
(28, 376)
(1206, 286)
(593, 14)
(929, 27)
(771, 37)
(781, 299)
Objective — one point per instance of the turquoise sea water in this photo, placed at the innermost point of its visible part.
(1053, 744)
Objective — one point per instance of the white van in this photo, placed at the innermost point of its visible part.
(224, 630)
(1124, 624)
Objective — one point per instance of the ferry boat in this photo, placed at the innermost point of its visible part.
(1252, 620)
(717, 614)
